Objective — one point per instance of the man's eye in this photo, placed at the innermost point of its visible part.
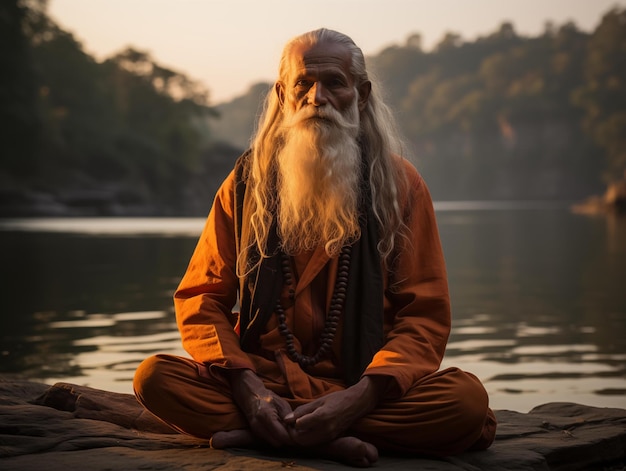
(336, 83)
(303, 83)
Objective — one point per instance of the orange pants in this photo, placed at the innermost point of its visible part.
(443, 414)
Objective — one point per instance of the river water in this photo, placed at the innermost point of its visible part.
(538, 297)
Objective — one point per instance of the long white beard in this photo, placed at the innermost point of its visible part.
(319, 173)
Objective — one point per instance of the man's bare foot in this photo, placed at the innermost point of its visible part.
(350, 450)
(232, 439)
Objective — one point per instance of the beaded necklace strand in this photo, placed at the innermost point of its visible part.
(332, 319)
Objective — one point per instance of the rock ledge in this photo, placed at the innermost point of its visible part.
(66, 426)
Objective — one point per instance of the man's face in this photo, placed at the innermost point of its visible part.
(319, 159)
(320, 76)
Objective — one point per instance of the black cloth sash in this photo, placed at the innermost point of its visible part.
(362, 329)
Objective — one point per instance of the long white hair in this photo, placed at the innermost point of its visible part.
(377, 137)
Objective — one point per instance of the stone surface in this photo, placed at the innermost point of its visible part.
(67, 426)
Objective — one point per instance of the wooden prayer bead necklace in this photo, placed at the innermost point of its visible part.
(332, 319)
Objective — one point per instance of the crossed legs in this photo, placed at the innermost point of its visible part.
(443, 414)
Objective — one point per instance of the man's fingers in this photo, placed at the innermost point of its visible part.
(313, 420)
(282, 407)
(269, 427)
(278, 436)
(300, 412)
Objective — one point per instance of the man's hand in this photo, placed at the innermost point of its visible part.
(329, 416)
(264, 410)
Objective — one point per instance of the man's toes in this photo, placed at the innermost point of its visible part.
(353, 451)
(231, 439)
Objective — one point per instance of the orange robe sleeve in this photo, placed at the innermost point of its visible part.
(207, 292)
(417, 303)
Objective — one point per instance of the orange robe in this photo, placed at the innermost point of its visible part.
(424, 410)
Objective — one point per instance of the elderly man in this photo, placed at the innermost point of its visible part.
(328, 241)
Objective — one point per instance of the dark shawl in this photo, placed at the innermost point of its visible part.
(363, 309)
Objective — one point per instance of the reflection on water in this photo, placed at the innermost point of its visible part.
(62, 295)
(539, 304)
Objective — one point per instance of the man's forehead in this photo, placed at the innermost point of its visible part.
(321, 54)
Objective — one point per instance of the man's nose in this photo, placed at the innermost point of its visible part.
(317, 95)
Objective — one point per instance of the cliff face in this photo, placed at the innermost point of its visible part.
(67, 426)
(529, 160)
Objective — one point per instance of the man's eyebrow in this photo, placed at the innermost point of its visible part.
(333, 71)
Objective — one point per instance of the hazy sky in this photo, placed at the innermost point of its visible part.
(230, 44)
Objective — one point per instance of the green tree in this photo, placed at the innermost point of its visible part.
(74, 103)
(603, 95)
(162, 121)
(80, 130)
(20, 125)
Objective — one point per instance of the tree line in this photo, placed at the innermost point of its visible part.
(504, 116)
(508, 116)
(122, 136)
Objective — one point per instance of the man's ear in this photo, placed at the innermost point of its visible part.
(280, 93)
(364, 94)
